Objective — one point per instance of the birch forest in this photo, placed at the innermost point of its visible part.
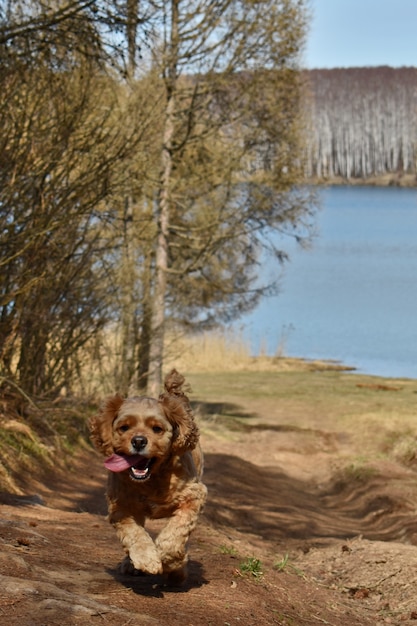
(362, 122)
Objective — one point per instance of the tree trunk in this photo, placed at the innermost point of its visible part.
(156, 352)
(144, 340)
(132, 20)
(127, 285)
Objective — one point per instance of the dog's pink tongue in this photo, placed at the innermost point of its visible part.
(118, 463)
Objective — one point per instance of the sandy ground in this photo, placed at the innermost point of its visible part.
(333, 550)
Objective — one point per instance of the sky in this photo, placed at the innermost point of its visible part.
(357, 33)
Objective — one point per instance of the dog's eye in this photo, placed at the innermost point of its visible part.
(124, 428)
(157, 429)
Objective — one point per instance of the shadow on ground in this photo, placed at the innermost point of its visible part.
(267, 502)
(155, 587)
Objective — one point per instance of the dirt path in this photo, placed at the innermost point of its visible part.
(334, 550)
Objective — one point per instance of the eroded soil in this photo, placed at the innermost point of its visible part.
(334, 549)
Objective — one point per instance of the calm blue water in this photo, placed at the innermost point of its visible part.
(352, 297)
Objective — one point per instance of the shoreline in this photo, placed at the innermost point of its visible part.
(408, 181)
(304, 364)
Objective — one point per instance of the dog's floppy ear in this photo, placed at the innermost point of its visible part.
(179, 413)
(101, 424)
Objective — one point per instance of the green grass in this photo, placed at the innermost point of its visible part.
(285, 565)
(251, 566)
(23, 446)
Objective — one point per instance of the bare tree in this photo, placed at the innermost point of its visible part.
(229, 75)
(65, 136)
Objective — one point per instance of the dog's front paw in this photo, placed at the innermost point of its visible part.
(146, 561)
(172, 553)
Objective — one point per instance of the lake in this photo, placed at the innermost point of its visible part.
(352, 296)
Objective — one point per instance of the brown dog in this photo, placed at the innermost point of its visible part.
(155, 462)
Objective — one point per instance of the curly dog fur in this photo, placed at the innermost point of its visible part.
(155, 462)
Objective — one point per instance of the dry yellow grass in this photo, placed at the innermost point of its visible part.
(225, 351)
(209, 352)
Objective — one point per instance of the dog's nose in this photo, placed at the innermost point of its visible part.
(139, 442)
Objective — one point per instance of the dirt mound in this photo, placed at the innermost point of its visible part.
(380, 575)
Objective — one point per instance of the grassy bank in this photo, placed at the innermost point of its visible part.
(375, 416)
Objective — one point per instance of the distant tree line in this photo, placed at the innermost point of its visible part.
(362, 122)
